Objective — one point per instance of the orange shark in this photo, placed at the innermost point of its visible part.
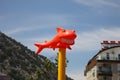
(63, 39)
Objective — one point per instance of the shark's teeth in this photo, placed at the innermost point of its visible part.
(68, 41)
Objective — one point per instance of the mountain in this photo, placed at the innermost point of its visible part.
(17, 62)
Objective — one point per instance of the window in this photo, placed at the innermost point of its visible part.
(107, 56)
(93, 73)
(100, 68)
(118, 56)
(104, 65)
(104, 78)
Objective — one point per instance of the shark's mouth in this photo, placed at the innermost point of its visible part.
(67, 41)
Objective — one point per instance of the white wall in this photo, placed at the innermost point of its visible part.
(113, 54)
(91, 75)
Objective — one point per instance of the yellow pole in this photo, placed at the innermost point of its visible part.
(61, 64)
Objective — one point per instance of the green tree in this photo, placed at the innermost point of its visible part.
(38, 73)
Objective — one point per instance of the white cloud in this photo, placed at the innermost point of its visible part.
(99, 3)
(47, 20)
(34, 22)
(77, 75)
(17, 30)
(91, 40)
(85, 41)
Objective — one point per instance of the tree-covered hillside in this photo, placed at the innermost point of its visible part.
(20, 63)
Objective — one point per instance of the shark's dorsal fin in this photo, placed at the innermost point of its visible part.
(59, 29)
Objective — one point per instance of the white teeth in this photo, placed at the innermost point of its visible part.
(68, 41)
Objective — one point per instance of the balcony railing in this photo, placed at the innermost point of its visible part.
(111, 58)
(105, 79)
(104, 72)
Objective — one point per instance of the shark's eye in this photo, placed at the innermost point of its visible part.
(63, 30)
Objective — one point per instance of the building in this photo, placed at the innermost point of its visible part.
(105, 65)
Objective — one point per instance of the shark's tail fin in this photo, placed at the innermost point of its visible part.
(40, 47)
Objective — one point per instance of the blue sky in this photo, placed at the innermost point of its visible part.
(30, 21)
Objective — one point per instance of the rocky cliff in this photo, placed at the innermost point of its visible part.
(20, 63)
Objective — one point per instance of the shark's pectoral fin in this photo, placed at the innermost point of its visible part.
(45, 41)
(69, 47)
(54, 48)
